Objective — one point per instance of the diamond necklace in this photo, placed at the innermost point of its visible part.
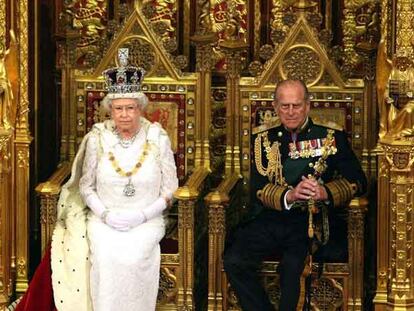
(126, 142)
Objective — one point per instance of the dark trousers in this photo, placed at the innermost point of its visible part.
(269, 232)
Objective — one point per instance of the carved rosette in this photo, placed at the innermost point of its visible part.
(141, 54)
(302, 62)
(327, 294)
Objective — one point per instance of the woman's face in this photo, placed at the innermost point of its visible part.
(126, 114)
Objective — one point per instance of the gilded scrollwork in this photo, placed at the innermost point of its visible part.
(88, 18)
(23, 158)
(204, 58)
(162, 16)
(21, 267)
(168, 286)
(229, 22)
(405, 29)
(204, 20)
(169, 259)
(277, 16)
(8, 85)
(2, 25)
(360, 26)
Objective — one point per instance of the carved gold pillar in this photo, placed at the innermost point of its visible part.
(233, 50)
(22, 158)
(380, 299)
(186, 247)
(5, 190)
(216, 232)
(6, 170)
(395, 274)
(187, 196)
(203, 40)
(356, 212)
(396, 283)
(217, 202)
(204, 60)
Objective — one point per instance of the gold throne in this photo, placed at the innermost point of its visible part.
(334, 101)
(172, 97)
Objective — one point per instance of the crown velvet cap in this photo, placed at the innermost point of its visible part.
(123, 81)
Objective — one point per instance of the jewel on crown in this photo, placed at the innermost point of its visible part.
(125, 78)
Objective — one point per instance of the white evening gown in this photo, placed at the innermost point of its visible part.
(125, 265)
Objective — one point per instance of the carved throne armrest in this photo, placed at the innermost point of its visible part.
(187, 197)
(217, 201)
(356, 214)
(48, 192)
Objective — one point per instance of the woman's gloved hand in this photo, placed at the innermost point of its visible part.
(123, 220)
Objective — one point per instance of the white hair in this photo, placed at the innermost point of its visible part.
(140, 98)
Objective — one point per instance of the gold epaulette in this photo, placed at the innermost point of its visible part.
(266, 126)
(329, 124)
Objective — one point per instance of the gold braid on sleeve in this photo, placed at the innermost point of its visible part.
(341, 190)
(271, 196)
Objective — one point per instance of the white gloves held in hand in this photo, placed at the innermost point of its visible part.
(123, 220)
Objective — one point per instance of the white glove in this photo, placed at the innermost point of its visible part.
(111, 218)
(132, 218)
(155, 209)
(95, 204)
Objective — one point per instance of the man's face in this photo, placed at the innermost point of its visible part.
(291, 106)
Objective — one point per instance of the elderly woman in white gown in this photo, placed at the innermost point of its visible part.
(126, 175)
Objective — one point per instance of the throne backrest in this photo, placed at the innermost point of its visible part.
(171, 105)
(341, 107)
